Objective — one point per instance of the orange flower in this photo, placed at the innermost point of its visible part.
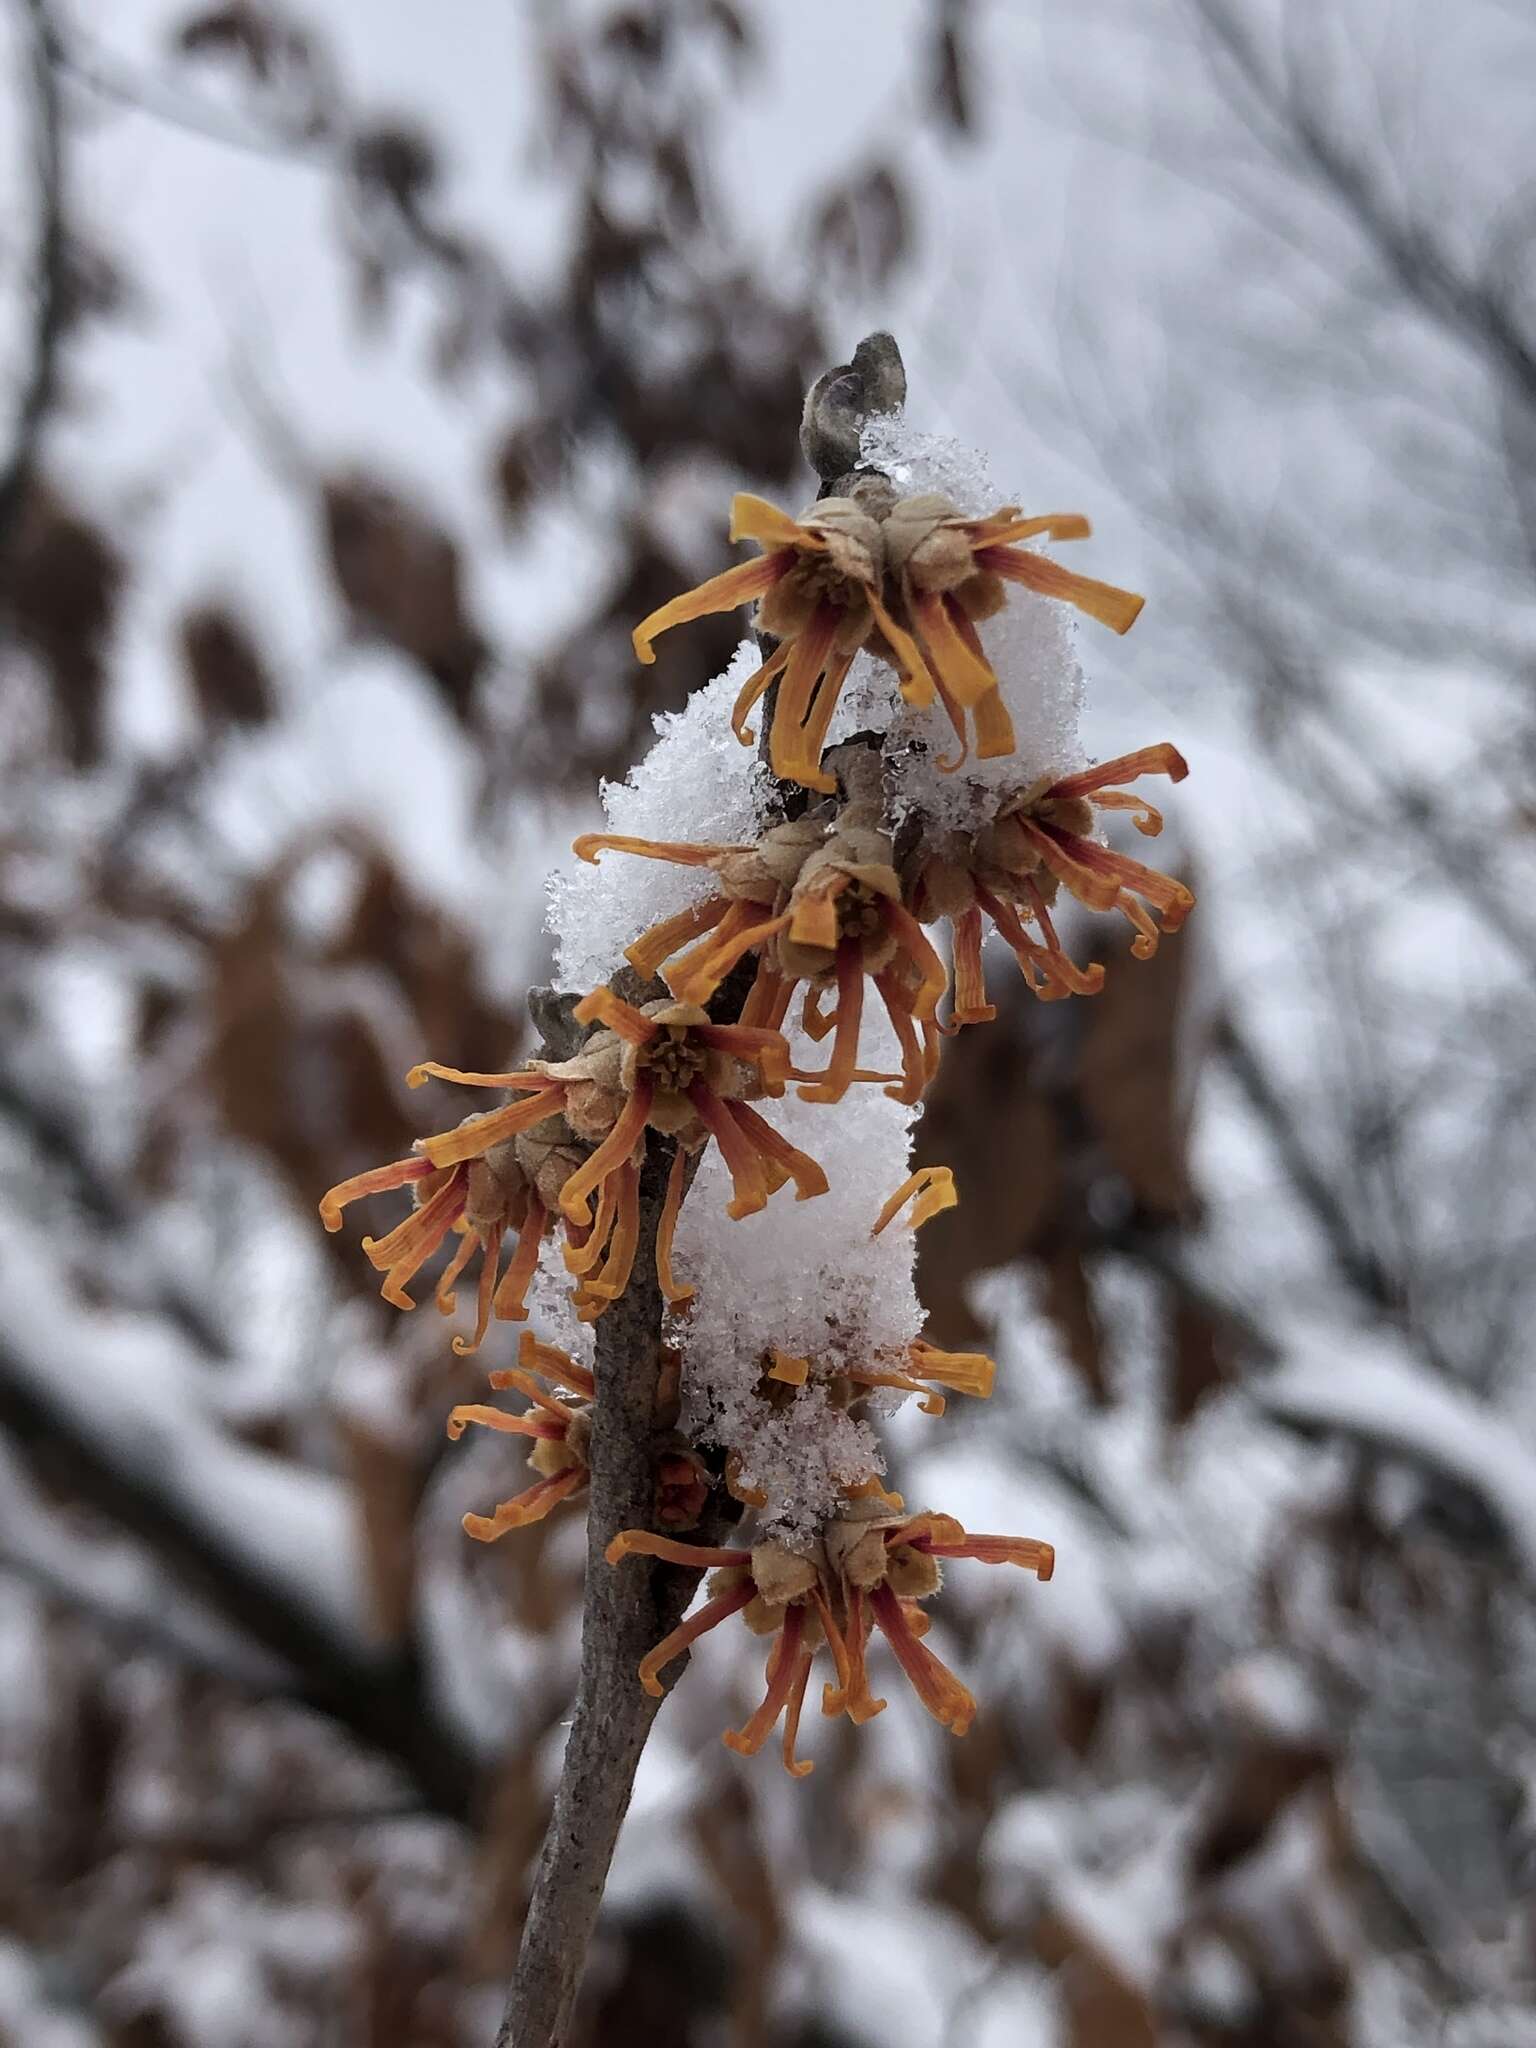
(560, 1433)
(818, 588)
(482, 1199)
(1011, 872)
(869, 1569)
(931, 1190)
(948, 574)
(921, 1368)
(664, 1067)
(885, 1565)
(751, 882)
(819, 906)
(778, 1594)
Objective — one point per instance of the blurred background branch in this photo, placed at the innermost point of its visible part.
(47, 283)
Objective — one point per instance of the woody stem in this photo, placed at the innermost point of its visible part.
(624, 1612)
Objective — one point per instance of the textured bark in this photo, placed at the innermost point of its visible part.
(625, 1611)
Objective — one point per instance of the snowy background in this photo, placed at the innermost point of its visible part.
(395, 361)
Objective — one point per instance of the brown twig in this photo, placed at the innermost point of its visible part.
(625, 1613)
(385, 1701)
(48, 279)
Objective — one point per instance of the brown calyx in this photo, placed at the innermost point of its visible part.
(858, 1549)
(549, 1154)
(841, 574)
(496, 1190)
(552, 1455)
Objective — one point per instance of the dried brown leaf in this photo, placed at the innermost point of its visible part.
(224, 667)
(63, 583)
(401, 579)
(1129, 1077)
(386, 1487)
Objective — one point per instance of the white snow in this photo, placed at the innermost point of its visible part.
(1364, 1386)
(1032, 645)
(210, 1962)
(886, 1968)
(123, 1380)
(27, 2015)
(808, 1279)
(697, 783)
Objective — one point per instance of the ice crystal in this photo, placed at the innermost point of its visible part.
(697, 782)
(1032, 645)
(806, 1279)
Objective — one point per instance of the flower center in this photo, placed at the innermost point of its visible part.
(819, 579)
(858, 911)
(675, 1060)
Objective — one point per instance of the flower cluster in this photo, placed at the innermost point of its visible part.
(908, 579)
(800, 933)
(871, 1568)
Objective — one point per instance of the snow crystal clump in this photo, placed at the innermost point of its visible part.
(806, 1279)
(916, 463)
(1031, 644)
(801, 1457)
(697, 782)
(552, 1311)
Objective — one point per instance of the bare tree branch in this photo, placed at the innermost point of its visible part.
(383, 1701)
(48, 282)
(1412, 252)
(625, 1613)
(1356, 1262)
(99, 71)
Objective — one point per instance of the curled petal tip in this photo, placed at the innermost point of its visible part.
(860, 1711)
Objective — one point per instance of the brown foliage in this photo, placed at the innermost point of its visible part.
(63, 582)
(303, 1075)
(1065, 1126)
(223, 664)
(401, 578)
